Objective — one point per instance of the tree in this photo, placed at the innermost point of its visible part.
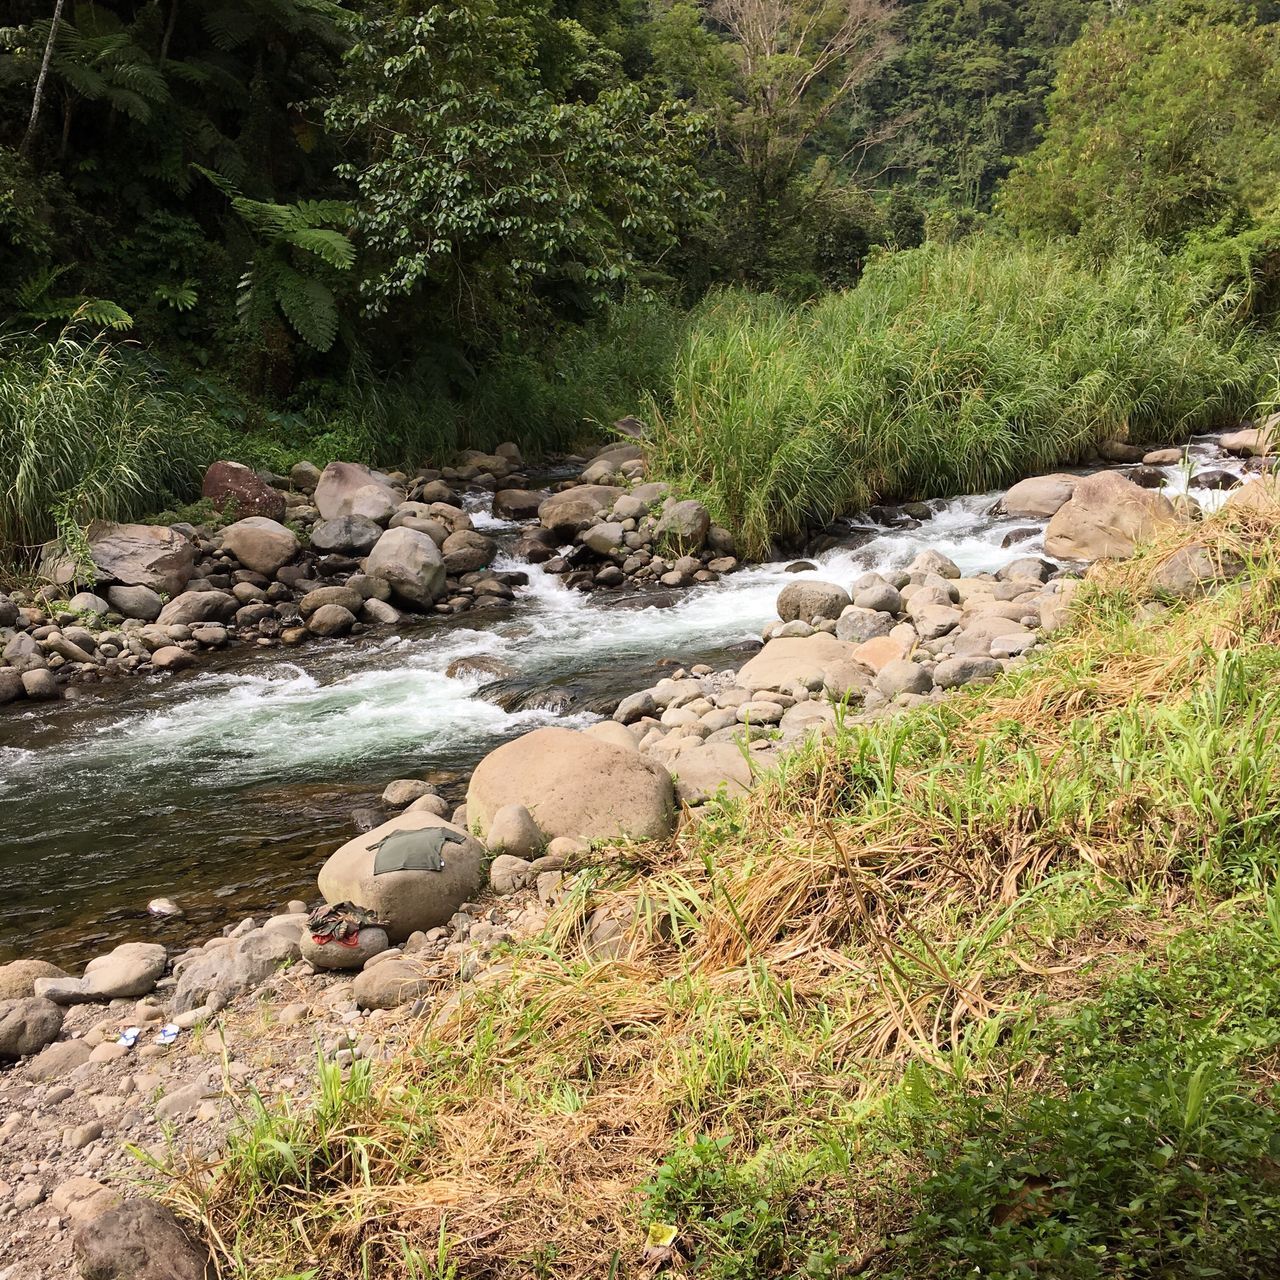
(1165, 119)
(782, 80)
(502, 162)
(971, 82)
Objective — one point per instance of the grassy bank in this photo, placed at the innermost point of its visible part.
(989, 986)
(949, 369)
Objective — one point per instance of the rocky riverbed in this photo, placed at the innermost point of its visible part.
(902, 610)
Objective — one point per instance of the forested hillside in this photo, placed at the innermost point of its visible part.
(387, 230)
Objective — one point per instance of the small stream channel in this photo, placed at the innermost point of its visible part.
(226, 787)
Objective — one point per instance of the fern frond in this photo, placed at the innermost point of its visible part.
(309, 307)
(323, 213)
(330, 246)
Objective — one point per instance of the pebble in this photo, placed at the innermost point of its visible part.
(28, 1196)
(78, 1138)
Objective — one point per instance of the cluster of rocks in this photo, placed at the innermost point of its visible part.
(360, 548)
(609, 528)
(331, 553)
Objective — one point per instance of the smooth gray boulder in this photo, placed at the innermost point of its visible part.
(132, 969)
(953, 672)
(343, 490)
(198, 606)
(513, 830)
(1106, 519)
(345, 535)
(226, 972)
(27, 1025)
(17, 978)
(409, 900)
(410, 563)
(857, 624)
(903, 676)
(392, 983)
(144, 555)
(806, 601)
(567, 513)
(1038, 497)
(135, 602)
(573, 785)
(684, 526)
(260, 544)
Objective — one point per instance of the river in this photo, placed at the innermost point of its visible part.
(227, 787)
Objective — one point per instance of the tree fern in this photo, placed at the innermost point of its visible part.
(294, 241)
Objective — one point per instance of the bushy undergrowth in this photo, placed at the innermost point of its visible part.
(995, 978)
(949, 369)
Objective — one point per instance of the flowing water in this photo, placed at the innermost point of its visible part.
(226, 787)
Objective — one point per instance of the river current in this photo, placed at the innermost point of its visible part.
(226, 787)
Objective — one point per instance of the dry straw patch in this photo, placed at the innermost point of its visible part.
(893, 895)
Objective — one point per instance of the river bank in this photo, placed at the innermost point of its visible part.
(240, 775)
(264, 1038)
(944, 604)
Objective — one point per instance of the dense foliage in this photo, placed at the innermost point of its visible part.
(949, 369)
(394, 226)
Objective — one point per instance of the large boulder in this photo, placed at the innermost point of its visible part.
(410, 563)
(795, 660)
(573, 785)
(135, 602)
(132, 969)
(1039, 497)
(17, 978)
(263, 545)
(347, 535)
(466, 551)
(709, 769)
(340, 492)
(1194, 569)
(232, 482)
(143, 555)
(1106, 518)
(804, 601)
(684, 526)
(517, 504)
(1252, 442)
(138, 1240)
(1261, 495)
(405, 901)
(27, 1025)
(567, 513)
(228, 971)
(198, 606)
(392, 983)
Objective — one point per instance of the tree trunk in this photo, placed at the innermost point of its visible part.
(38, 99)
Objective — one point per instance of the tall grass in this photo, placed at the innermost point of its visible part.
(553, 400)
(949, 369)
(85, 434)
